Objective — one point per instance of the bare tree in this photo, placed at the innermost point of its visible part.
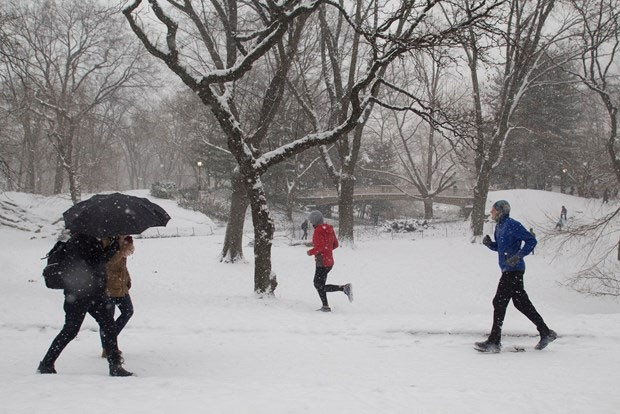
(599, 33)
(525, 42)
(75, 57)
(598, 37)
(416, 22)
(17, 99)
(215, 85)
(427, 165)
(25, 123)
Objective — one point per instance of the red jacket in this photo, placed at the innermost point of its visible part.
(324, 241)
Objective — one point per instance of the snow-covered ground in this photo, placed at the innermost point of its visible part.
(200, 341)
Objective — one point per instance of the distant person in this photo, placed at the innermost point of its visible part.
(533, 235)
(512, 243)
(559, 224)
(118, 285)
(563, 213)
(324, 241)
(606, 196)
(304, 228)
(85, 284)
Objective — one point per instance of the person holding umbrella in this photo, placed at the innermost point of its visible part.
(85, 284)
(85, 280)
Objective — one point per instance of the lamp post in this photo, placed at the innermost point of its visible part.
(199, 165)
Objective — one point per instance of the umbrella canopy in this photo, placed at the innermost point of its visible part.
(107, 215)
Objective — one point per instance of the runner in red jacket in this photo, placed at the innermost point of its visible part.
(324, 241)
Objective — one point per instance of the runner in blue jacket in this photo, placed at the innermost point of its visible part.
(512, 243)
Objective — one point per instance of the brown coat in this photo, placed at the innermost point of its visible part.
(119, 280)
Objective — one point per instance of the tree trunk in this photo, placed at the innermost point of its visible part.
(290, 198)
(345, 208)
(63, 158)
(265, 281)
(428, 208)
(59, 178)
(478, 214)
(613, 139)
(233, 248)
(29, 155)
(71, 164)
(74, 186)
(289, 213)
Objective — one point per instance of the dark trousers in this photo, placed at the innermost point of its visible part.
(125, 305)
(511, 287)
(320, 277)
(75, 312)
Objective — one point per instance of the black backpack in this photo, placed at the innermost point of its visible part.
(56, 266)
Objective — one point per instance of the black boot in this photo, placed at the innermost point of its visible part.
(116, 366)
(488, 346)
(46, 368)
(546, 340)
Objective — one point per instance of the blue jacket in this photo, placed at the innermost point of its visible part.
(511, 238)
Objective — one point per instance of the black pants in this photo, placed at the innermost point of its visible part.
(75, 312)
(511, 287)
(125, 305)
(320, 277)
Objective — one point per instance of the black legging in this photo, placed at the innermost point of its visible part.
(75, 311)
(125, 305)
(511, 287)
(320, 277)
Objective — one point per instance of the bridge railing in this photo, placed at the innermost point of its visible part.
(378, 190)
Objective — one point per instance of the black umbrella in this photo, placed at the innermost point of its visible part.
(105, 215)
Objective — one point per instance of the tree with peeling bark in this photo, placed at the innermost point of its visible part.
(269, 30)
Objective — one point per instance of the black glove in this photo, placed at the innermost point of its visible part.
(513, 261)
(487, 240)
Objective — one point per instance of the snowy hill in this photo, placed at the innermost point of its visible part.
(200, 341)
